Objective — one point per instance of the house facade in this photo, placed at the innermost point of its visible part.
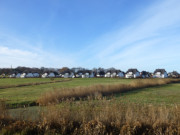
(36, 75)
(132, 73)
(29, 75)
(144, 74)
(44, 75)
(160, 73)
(120, 74)
(51, 75)
(174, 74)
(23, 75)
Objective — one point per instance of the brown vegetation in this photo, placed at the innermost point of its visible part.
(59, 95)
(98, 117)
(101, 117)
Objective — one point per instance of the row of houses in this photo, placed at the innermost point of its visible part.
(131, 73)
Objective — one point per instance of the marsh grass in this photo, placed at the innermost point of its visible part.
(3, 110)
(99, 118)
(99, 114)
(103, 117)
(97, 91)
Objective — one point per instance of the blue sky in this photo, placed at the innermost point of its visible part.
(90, 33)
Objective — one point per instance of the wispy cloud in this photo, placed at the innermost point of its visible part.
(18, 52)
(145, 42)
(150, 41)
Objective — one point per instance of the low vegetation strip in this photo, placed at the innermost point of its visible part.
(58, 95)
(96, 118)
(31, 84)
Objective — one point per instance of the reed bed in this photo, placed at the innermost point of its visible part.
(98, 114)
(103, 117)
(58, 95)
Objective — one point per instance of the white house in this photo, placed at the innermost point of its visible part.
(160, 73)
(100, 73)
(173, 74)
(86, 75)
(114, 73)
(51, 75)
(91, 75)
(68, 74)
(23, 75)
(132, 73)
(3, 75)
(120, 74)
(79, 74)
(107, 74)
(44, 75)
(71, 75)
(29, 75)
(13, 75)
(18, 75)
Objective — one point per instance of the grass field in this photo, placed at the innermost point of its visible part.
(154, 108)
(29, 94)
(159, 95)
(167, 94)
(25, 95)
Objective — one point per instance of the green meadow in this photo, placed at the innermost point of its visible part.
(25, 95)
(29, 94)
(138, 107)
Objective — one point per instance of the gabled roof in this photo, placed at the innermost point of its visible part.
(144, 73)
(101, 72)
(132, 70)
(115, 71)
(86, 71)
(162, 71)
(80, 71)
(175, 73)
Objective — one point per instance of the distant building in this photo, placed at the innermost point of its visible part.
(13, 75)
(36, 75)
(132, 73)
(144, 74)
(160, 73)
(23, 75)
(51, 75)
(173, 74)
(44, 75)
(18, 75)
(29, 75)
(120, 74)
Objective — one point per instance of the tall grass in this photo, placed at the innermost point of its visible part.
(58, 95)
(3, 110)
(101, 117)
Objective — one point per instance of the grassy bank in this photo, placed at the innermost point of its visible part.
(97, 91)
(27, 95)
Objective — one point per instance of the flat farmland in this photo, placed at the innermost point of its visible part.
(30, 93)
(90, 106)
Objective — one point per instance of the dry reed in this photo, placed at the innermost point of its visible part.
(58, 95)
(117, 118)
(99, 118)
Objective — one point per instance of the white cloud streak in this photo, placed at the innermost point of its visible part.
(145, 42)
